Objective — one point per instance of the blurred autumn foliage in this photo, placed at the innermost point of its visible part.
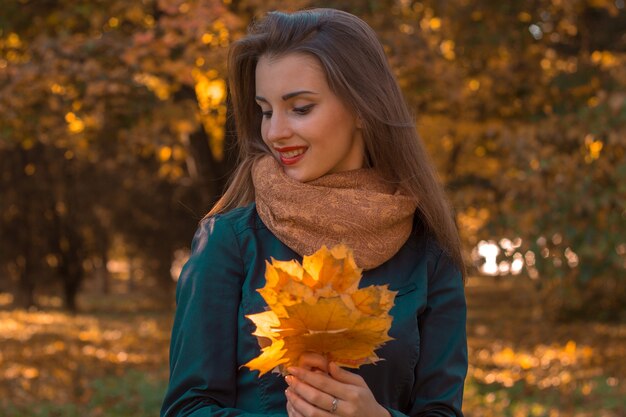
(115, 135)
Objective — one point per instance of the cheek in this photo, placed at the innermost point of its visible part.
(337, 122)
(264, 131)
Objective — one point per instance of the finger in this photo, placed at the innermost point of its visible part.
(291, 411)
(344, 376)
(310, 394)
(322, 382)
(313, 361)
(302, 408)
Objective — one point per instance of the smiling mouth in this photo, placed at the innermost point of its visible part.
(291, 155)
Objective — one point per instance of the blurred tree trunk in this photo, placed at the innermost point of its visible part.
(211, 172)
(101, 259)
(69, 240)
(26, 233)
(25, 296)
(72, 272)
(103, 271)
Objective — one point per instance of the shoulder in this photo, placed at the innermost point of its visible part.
(216, 249)
(238, 220)
(221, 231)
(424, 241)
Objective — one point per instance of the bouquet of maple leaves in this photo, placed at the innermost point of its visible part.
(319, 307)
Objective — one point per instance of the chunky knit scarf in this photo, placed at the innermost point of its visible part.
(357, 208)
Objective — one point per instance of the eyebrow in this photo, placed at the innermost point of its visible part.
(288, 95)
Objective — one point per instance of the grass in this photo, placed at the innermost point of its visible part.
(134, 393)
(595, 397)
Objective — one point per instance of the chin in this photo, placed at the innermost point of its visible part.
(300, 175)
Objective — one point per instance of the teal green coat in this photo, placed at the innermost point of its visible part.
(424, 366)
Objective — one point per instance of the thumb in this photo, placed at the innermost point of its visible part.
(344, 376)
(313, 361)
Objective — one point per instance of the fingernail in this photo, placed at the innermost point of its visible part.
(289, 379)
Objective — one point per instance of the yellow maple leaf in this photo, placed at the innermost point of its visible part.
(318, 307)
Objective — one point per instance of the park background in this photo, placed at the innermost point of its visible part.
(116, 137)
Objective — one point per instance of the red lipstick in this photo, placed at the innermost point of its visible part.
(292, 159)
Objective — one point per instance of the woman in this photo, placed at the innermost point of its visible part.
(328, 154)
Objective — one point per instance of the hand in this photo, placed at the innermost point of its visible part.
(311, 394)
(312, 361)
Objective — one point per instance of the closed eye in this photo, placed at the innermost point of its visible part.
(303, 110)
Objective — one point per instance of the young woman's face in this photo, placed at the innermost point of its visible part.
(307, 127)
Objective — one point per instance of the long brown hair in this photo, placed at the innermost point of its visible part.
(357, 71)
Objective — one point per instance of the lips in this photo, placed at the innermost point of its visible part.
(290, 155)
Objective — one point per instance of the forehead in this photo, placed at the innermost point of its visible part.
(276, 75)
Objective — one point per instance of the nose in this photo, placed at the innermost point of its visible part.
(278, 128)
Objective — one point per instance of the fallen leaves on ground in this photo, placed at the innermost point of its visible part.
(524, 365)
(55, 356)
(520, 364)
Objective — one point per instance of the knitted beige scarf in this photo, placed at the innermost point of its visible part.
(357, 208)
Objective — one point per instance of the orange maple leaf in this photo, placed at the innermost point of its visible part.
(318, 307)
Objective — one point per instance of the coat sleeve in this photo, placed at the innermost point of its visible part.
(442, 366)
(203, 362)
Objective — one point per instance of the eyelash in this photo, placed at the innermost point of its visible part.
(303, 110)
(300, 111)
